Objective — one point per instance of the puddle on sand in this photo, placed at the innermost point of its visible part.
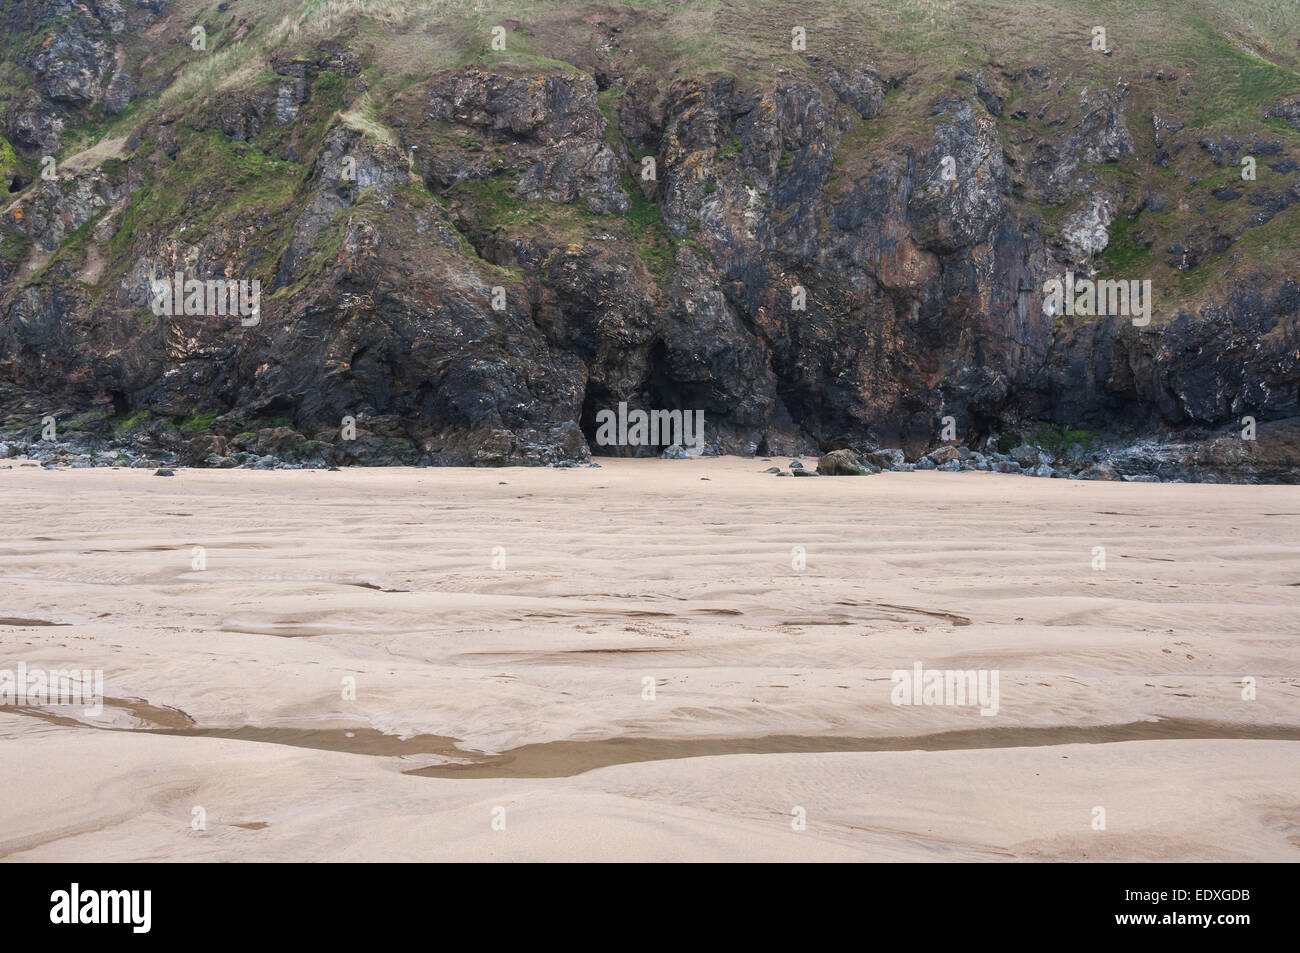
(120, 714)
(140, 717)
(369, 741)
(562, 759)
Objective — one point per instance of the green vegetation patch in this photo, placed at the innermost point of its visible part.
(131, 421)
(656, 245)
(1057, 439)
(199, 422)
(1124, 253)
(8, 161)
(214, 182)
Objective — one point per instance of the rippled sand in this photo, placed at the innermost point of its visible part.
(506, 629)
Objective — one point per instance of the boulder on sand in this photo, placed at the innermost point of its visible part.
(842, 463)
(885, 459)
(1026, 456)
(944, 454)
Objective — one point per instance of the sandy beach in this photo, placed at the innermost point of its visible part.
(650, 660)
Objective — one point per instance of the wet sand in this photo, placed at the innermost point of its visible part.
(502, 630)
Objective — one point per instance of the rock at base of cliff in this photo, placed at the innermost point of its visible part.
(843, 463)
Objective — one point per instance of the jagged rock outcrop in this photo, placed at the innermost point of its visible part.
(551, 129)
(75, 54)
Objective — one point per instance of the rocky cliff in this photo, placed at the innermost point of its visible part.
(824, 225)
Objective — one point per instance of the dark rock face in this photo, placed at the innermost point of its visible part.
(1091, 132)
(860, 88)
(554, 129)
(78, 61)
(73, 68)
(471, 273)
(1287, 109)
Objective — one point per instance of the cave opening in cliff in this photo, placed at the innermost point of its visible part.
(18, 183)
(660, 401)
(661, 391)
(598, 398)
(279, 410)
(982, 425)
